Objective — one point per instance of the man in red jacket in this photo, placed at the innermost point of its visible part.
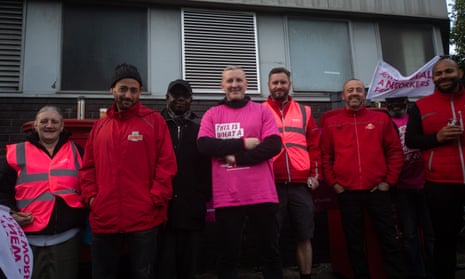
(362, 158)
(435, 127)
(126, 180)
(296, 167)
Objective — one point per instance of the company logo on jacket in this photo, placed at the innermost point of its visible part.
(135, 136)
(370, 126)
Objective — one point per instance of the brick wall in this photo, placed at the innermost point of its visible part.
(14, 112)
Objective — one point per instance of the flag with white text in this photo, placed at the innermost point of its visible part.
(387, 82)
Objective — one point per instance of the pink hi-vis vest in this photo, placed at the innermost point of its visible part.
(41, 179)
(293, 130)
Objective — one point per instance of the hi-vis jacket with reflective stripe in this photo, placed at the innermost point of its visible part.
(300, 155)
(41, 179)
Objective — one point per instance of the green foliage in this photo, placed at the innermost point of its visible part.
(457, 34)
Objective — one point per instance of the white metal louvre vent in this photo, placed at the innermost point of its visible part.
(213, 40)
(11, 28)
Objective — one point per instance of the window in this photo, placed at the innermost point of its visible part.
(11, 39)
(96, 39)
(214, 40)
(406, 47)
(320, 55)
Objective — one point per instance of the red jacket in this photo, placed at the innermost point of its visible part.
(445, 162)
(360, 149)
(128, 167)
(300, 156)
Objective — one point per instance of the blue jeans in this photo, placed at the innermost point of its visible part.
(141, 248)
(414, 218)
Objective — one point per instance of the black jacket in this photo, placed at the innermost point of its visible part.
(63, 216)
(192, 183)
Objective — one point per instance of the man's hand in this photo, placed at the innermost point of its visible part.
(23, 218)
(338, 188)
(251, 143)
(312, 183)
(383, 186)
(449, 133)
(230, 160)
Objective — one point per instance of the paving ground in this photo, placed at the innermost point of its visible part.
(321, 271)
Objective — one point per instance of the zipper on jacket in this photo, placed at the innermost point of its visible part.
(460, 147)
(459, 142)
(430, 160)
(358, 150)
(286, 155)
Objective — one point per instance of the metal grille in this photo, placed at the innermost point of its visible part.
(11, 29)
(213, 40)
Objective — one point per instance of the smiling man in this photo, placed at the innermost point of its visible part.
(241, 137)
(362, 158)
(435, 126)
(297, 166)
(126, 179)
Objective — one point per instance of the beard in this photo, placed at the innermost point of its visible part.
(453, 87)
(280, 95)
(125, 104)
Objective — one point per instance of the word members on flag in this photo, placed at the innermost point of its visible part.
(15, 253)
(387, 82)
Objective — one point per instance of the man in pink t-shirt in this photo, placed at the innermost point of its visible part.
(242, 138)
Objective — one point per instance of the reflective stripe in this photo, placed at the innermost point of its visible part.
(44, 197)
(300, 130)
(64, 172)
(292, 129)
(296, 145)
(47, 196)
(25, 178)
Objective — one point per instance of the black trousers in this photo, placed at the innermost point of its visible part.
(178, 253)
(141, 248)
(378, 204)
(230, 221)
(446, 203)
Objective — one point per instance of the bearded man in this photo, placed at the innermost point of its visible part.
(435, 127)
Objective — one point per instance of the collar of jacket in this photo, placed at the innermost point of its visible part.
(351, 113)
(33, 138)
(170, 115)
(278, 104)
(236, 103)
(449, 96)
(124, 114)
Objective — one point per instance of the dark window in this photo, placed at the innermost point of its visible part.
(96, 39)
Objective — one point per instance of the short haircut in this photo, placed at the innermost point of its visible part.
(278, 70)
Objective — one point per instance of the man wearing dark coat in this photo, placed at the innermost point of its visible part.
(191, 187)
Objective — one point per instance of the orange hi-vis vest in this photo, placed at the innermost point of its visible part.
(41, 178)
(293, 130)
